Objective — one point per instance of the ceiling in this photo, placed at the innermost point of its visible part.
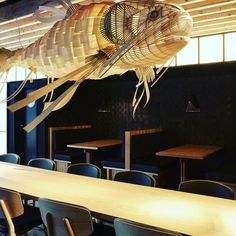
(18, 28)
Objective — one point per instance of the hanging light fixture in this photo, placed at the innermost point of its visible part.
(193, 105)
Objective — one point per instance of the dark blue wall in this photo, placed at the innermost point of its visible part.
(213, 84)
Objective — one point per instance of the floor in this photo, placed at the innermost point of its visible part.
(37, 231)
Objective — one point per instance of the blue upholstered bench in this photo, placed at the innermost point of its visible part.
(153, 164)
(59, 137)
(139, 144)
(224, 173)
(113, 165)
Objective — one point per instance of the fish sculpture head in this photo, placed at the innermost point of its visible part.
(158, 30)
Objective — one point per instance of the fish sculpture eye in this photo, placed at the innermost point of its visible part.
(153, 15)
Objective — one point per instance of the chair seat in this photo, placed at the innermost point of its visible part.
(154, 165)
(115, 163)
(70, 156)
(31, 216)
(226, 173)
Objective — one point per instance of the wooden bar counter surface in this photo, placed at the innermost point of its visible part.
(183, 212)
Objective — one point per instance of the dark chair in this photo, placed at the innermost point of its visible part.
(207, 187)
(135, 177)
(85, 169)
(42, 163)
(10, 158)
(129, 228)
(66, 219)
(14, 217)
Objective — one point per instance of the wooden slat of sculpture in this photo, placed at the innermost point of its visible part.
(130, 35)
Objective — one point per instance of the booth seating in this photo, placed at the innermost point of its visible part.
(140, 148)
(59, 137)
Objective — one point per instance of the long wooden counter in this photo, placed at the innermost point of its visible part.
(183, 212)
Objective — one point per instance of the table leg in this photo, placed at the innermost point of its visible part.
(87, 154)
(182, 170)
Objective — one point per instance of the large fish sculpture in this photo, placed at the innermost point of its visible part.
(102, 38)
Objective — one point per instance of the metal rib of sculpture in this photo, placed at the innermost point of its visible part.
(113, 38)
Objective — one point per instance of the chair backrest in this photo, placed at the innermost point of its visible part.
(61, 218)
(10, 158)
(129, 228)
(42, 163)
(12, 201)
(10, 207)
(85, 169)
(207, 187)
(135, 177)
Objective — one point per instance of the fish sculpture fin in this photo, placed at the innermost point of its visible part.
(161, 71)
(66, 96)
(48, 88)
(146, 75)
(62, 103)
(50, 108)
(49, 80)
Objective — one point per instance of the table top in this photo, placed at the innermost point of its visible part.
(190, 151)
(96, 144)
(183, 212)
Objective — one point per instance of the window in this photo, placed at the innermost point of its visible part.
(12, 74)
(207, 49)
(15, 74)
(21, 73)
(211, 48)
(3, 140)
(189, 54)
(3, 108)
(3, 122)
(230, 46)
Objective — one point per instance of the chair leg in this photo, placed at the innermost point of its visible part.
(45, 230)
(109, 174)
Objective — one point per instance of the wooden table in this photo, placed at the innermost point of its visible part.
(187, 213)
(189, 151)
(95, 145)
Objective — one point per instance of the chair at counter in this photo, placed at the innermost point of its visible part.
(85, 169)
(10, 158)
(207, 187)
(15, 218)
(135, 177)
(42, 163)
(67, 219)
(130, 228)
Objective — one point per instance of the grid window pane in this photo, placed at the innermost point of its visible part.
(211, 49)
(3, 115)
(3, 141)
(20, 73)
(3, 109)
(12, 74)
(189, 54)
(230, 48)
